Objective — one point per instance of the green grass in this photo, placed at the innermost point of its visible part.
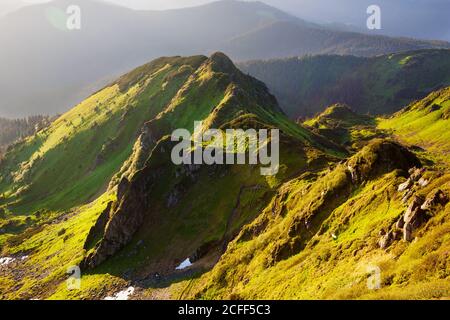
(59, 167)
(339, 248)
(420, 126)
(50, 252)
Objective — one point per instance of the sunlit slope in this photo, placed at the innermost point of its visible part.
(176, 212)
(155, 213)
(73, 159)
(327, 238)
(339, 123)
(425, 123)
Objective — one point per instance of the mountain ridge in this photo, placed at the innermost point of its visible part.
(119, 208)
(112, 176)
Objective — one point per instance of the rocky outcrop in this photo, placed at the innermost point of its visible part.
(125, 217)
(97, 230)
(435, 198)
(419, 209)
(380, 156)
(413, 218)
(386, 240)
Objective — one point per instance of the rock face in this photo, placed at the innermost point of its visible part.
(413, 218)
(99, 226)
(419, 208)
(125, 217)
(386, 240)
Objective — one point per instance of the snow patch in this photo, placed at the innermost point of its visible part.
(6, 260)
(185, 264)
(122, 295)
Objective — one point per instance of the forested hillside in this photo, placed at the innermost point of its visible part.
(380, 85)
(12, 130)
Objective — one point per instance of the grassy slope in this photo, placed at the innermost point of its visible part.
(339, 248)
(234, 194)
(338, 267)
(164, 92)
(71, 162)
(274, 256)
(424, 123)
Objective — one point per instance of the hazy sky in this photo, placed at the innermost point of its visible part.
(414, 18)
(9, 5)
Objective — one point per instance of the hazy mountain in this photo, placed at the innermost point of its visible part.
(57, 68)
(425, 19)
(7, 6)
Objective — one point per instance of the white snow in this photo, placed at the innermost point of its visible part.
(122, 295)
(5, 261)
(185, 264)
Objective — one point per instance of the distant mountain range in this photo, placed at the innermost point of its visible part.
(376, 85)
(57, 68)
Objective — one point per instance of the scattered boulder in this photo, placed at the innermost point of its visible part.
(416, 173)
(405, 185)
(423, 182)
(386, 240)
(414, 212)
(437, 197)
(414, 217)
(407, 232)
